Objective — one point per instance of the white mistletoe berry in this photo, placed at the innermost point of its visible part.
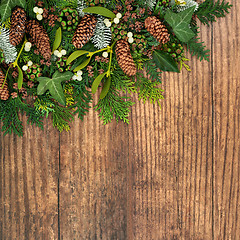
(119, 15)
(63, 52)
(116, 20)
(105, 54)
(39, 17)
(59, 55)
(30, 63)
(28, 45)
(35, 9)
(27, 49)
(79, 73)
(56, 52)
(130, 40)
(24, 67)
(130, 34)
(40, 11)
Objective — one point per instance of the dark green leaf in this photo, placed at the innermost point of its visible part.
(100, 11)
(164, 61)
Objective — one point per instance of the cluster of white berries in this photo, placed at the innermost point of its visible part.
(116, 20)
(25, 67)
(60, 53)
(130, 37)
(27, 46)
(39, 12)
(78, 75)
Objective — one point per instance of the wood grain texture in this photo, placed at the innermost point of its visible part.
(172, 173)
(29, 184)
(226, 88)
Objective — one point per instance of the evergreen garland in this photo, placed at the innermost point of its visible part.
(60, 87)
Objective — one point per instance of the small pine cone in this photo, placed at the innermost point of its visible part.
(124, 58)
(18, 25)
(40, 38)
(84, 31)
(157, 29)
(4, 92)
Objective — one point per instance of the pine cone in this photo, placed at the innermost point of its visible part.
(157, 29)
(18, 25)
(124, 58)
(40, 38)
(4, 92)
(84, 31)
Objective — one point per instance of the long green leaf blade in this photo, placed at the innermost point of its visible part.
(100, 11)
(75, 55)
(20, 77)
(83, 65)
(106, 88)
(97, 82)
(58, 39)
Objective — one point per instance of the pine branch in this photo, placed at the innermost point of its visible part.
(208, 11)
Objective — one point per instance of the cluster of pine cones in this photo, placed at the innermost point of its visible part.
(39, 37)
(83, 33)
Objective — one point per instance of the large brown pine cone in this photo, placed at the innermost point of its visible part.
(4, 92)
(40, 38)
(157, 29)
(84, 31)
(124, 58)
(18, 25)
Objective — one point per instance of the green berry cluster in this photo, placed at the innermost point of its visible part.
(140, 42)
(61, 64)
(175, 50)
(119, 31)
(164, 3)
(33, 72)
(92, 3)
(68, 19)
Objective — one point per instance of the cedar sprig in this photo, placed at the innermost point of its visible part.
(208, 11)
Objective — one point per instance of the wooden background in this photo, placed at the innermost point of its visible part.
(173, 173)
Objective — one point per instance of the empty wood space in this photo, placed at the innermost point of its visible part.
(172, 173)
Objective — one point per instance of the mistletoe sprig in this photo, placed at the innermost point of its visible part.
(54, 55)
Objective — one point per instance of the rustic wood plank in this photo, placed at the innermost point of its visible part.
(93, 180)
(226, 76)
(171, 158)
(29, 184)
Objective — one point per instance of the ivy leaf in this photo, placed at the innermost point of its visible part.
(58, 39)
(100, 11)
(164, 61)
(6, 7)
(180, 23)
(54, 85)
